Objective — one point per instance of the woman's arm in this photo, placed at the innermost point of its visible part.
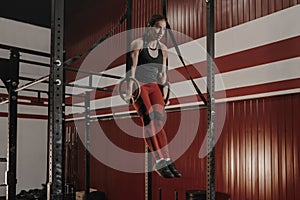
(135, 48)
(163, 73)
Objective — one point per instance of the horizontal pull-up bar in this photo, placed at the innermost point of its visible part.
(92, 73)
(31, 62)
(45, 78)
(131, 114)
(27, 86)
(37, 91)
(34, 63)
(90, 87)
(75, 105)
(31, 90)
(29, 51)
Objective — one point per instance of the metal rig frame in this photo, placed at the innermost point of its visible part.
(56, 179)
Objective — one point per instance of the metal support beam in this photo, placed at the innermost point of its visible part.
(11, 84)
(210, 193)
(93, 73)
(24, 87)
(148, 174)
(90, 87)
(34, 63)
(87, 146)
(56, 181)
(4, 70)
(29, 51)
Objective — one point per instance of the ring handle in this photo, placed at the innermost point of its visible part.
(136, 88)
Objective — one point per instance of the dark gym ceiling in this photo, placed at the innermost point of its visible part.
(38, 12)
(35, 12)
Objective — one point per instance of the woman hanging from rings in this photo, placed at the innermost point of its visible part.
(148, 67)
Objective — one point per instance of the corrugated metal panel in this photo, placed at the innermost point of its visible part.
(189, 17)
(257, 155)
(258, 149)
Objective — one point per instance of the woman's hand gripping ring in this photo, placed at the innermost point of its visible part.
(129, 90)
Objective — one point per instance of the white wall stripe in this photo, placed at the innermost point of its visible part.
(265, 30)
(4, 53)
(238, 98)
(25, 93)
(27, 36)
(262, 74)
(24, 35)
(27, 109)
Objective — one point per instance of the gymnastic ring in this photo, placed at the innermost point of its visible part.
(136, 88)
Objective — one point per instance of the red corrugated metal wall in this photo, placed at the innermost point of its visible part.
(260, 158)
(257, 154)
(189, 16)
(86, 23)
(116, 184)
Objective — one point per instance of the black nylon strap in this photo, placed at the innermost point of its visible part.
(182, 61)
(164, 8)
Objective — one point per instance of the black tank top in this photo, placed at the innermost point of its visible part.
(148, 66)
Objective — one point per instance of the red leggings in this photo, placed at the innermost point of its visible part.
(150, 107)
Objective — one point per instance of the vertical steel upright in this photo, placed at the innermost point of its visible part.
(56, 136)
(87, 145)
(148, 173)
(11, 85)
(210, 194)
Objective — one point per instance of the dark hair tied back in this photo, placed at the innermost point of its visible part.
(155, 18)
(152, 21)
